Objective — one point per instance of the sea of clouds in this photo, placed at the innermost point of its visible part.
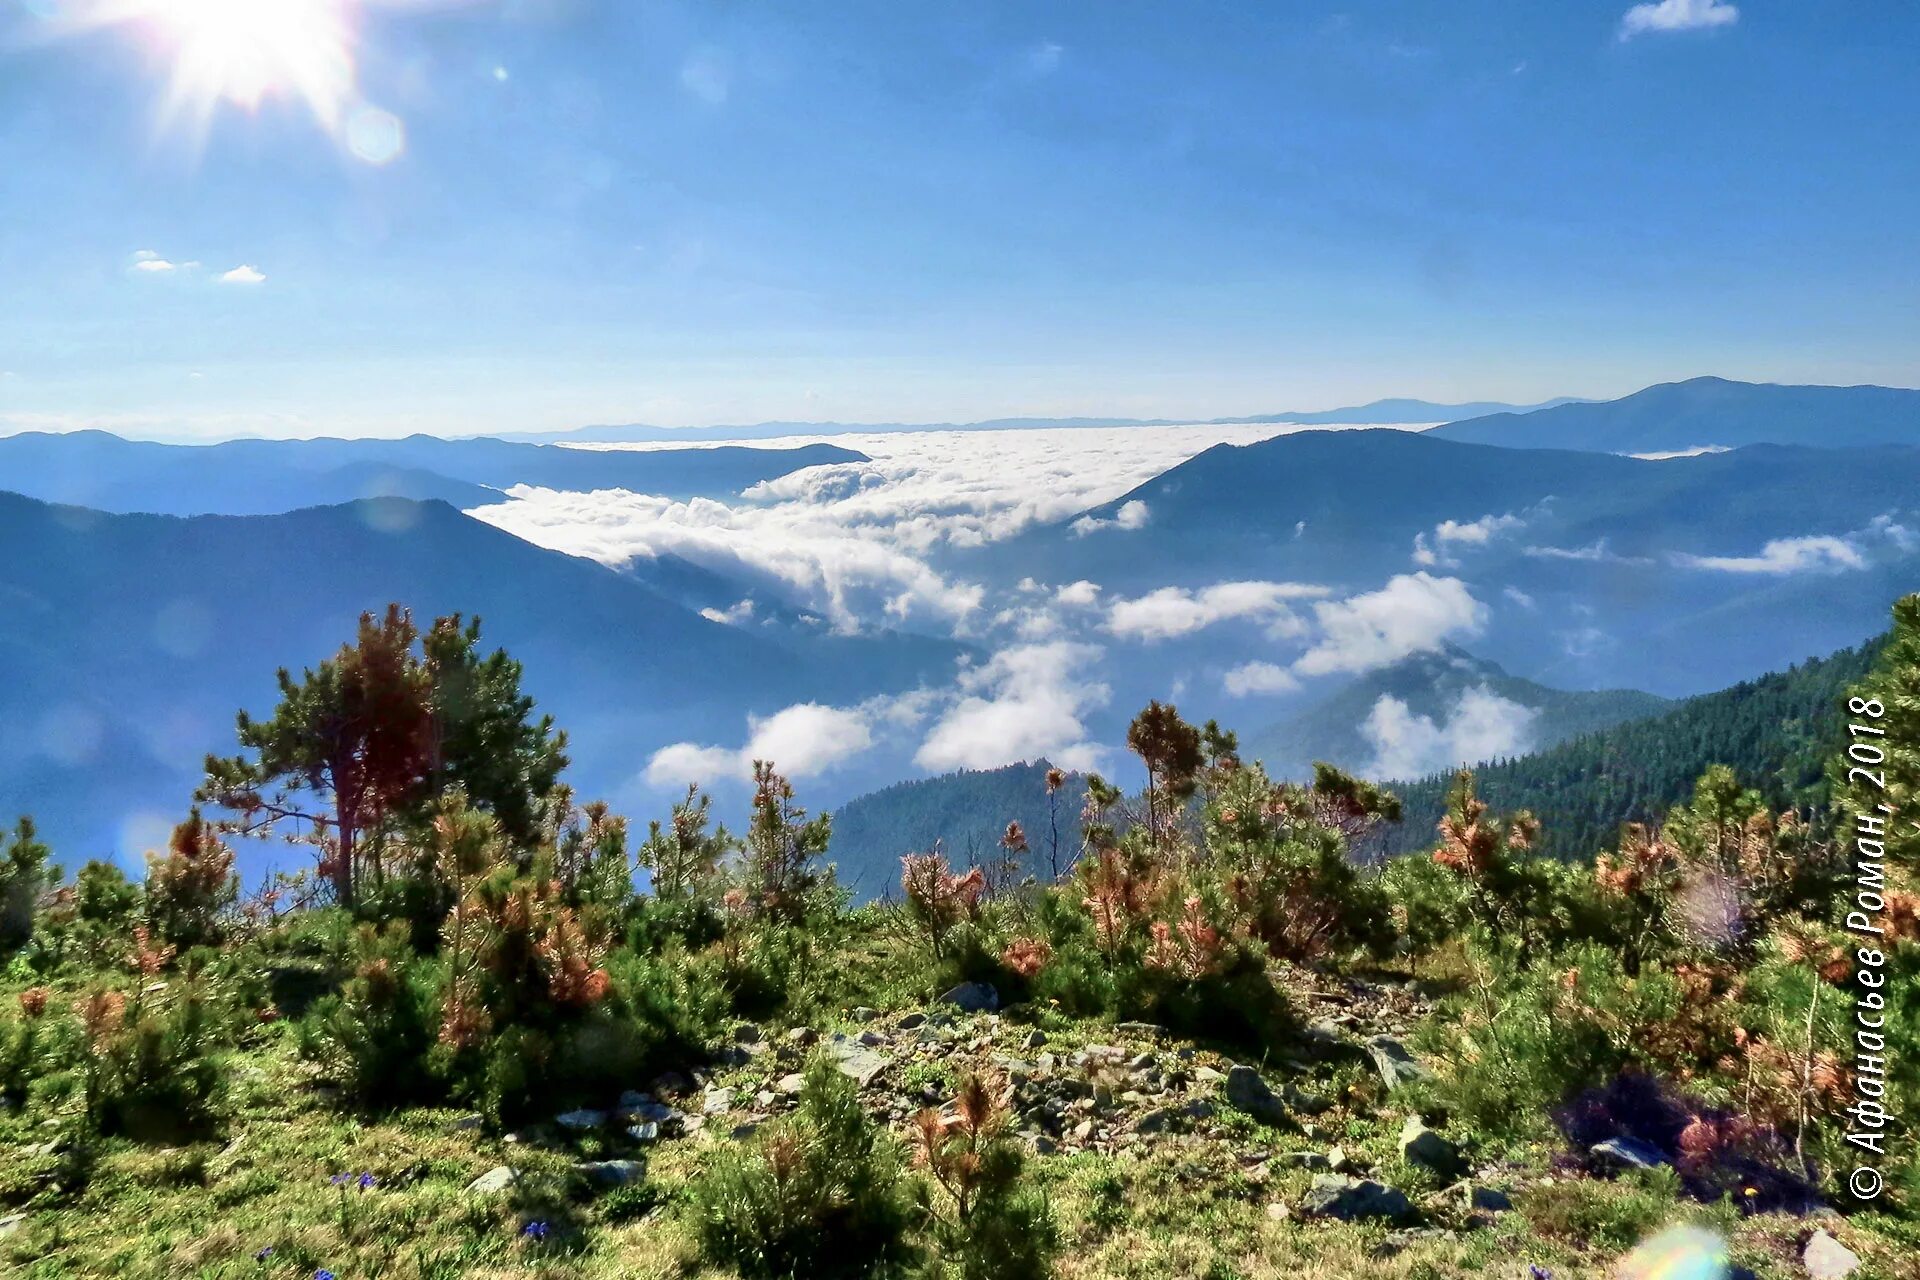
(871, 545)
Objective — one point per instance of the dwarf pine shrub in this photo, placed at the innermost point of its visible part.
(821, 1194)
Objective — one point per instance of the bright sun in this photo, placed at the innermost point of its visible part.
(240, 51)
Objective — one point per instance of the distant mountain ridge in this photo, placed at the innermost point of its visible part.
(264, 477)
(1391, 412)
(1431, 685)
(129, 641)
(1707, 412)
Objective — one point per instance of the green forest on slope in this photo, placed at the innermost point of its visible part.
(1772, 731)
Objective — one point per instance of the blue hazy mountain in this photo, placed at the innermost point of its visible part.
(1432, 685)
(1375, 413)
(1596, 571)
(1706, 413)
(261, 477)
(129, 641)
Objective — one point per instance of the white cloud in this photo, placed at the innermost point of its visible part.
(243, 274)
(1254, 678)
(1412, 613)
(1481, 725)
(737, 615)
(1822, 554)
(1131, 515)
(1434, 549)
(1677, 15)
(1024, 702)
(1081, 594)
(1177, 611)
(802, 741)
(1596, 553)
(852, 540)
(1520, 598)
(1044, 58)
(148, 262)
(1691, 451)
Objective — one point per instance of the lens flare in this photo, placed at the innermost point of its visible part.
(1682, 1253)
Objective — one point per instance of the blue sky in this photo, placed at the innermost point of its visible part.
(724, 212)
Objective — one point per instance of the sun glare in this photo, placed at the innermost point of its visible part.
(242, 53)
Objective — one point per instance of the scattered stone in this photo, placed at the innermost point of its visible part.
(1307, 1104)
(1083, 1132)
(1141, 1062)
(717, 1102)
(791, 1083)
(493, 1181)
(860, 1013)
(1306, 1160)
(670, 1083)
(1488, 1200)
(1825, 1258)
(1152, 1029)
(1353, 1200)
(645, 1111)
(1392, 1061)
(1033, 1040)
(1157, 1121)
(1279, 1212)
(871, 1039)
(1421, 1146)
(12, 1223)
(765, 1099)
(912, 1022)
(1247, 1092)
(802, 1036)
(468, 1123)
(1207, 1075)
(580, 1121)
(1043, 1145)
(646, 1131)
(1339, 1161)
(611, 1173)
(856, 1060)
(1627, 1153)
(973, 997)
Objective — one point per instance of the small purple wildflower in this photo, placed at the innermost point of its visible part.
(323, 1274)
(368, 1180)
(340, 1179)
(1537, 1272)
(536, 1230)
(261, 1255)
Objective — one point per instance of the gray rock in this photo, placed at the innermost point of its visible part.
(871, 1039)
(802, 1036)
(856, 1060)
(1825, 1258)
(717, 1102)
(791, 1083)
(1247, 1092)
(1043, 1145)
(1305, 1160)
(645, 1131)
(860, 1013)
(1340, 1162)
(493, 1181)
(468, 1123)
(1152, 1029)
(646, 1112)
(580, 1121)
(1353, 1200)
(1392, 1061)
(1626, 1153)
(973, 997)
(1157, 1121)
(1421, 1146)
(1307, 1104)
(611, 1173)
(1033, 1040)
(1488, 1199)
(912, 1022)
(12, 1223)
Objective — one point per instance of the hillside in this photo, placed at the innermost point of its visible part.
(1705, 413)
(1431, 685)
(264, 477)
(1594, 571)
(130, 641)
(1774, 731)
(963, 813)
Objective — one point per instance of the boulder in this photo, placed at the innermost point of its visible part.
(1626, 1153)
(611, 1173)
(1421, 1146)
(1246, 1091)
(1391, 1061)
(973, 997)
(580, 1121)
(1353, 1200)
(1825, 1258)
(493, 1181)
(856, 1060)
